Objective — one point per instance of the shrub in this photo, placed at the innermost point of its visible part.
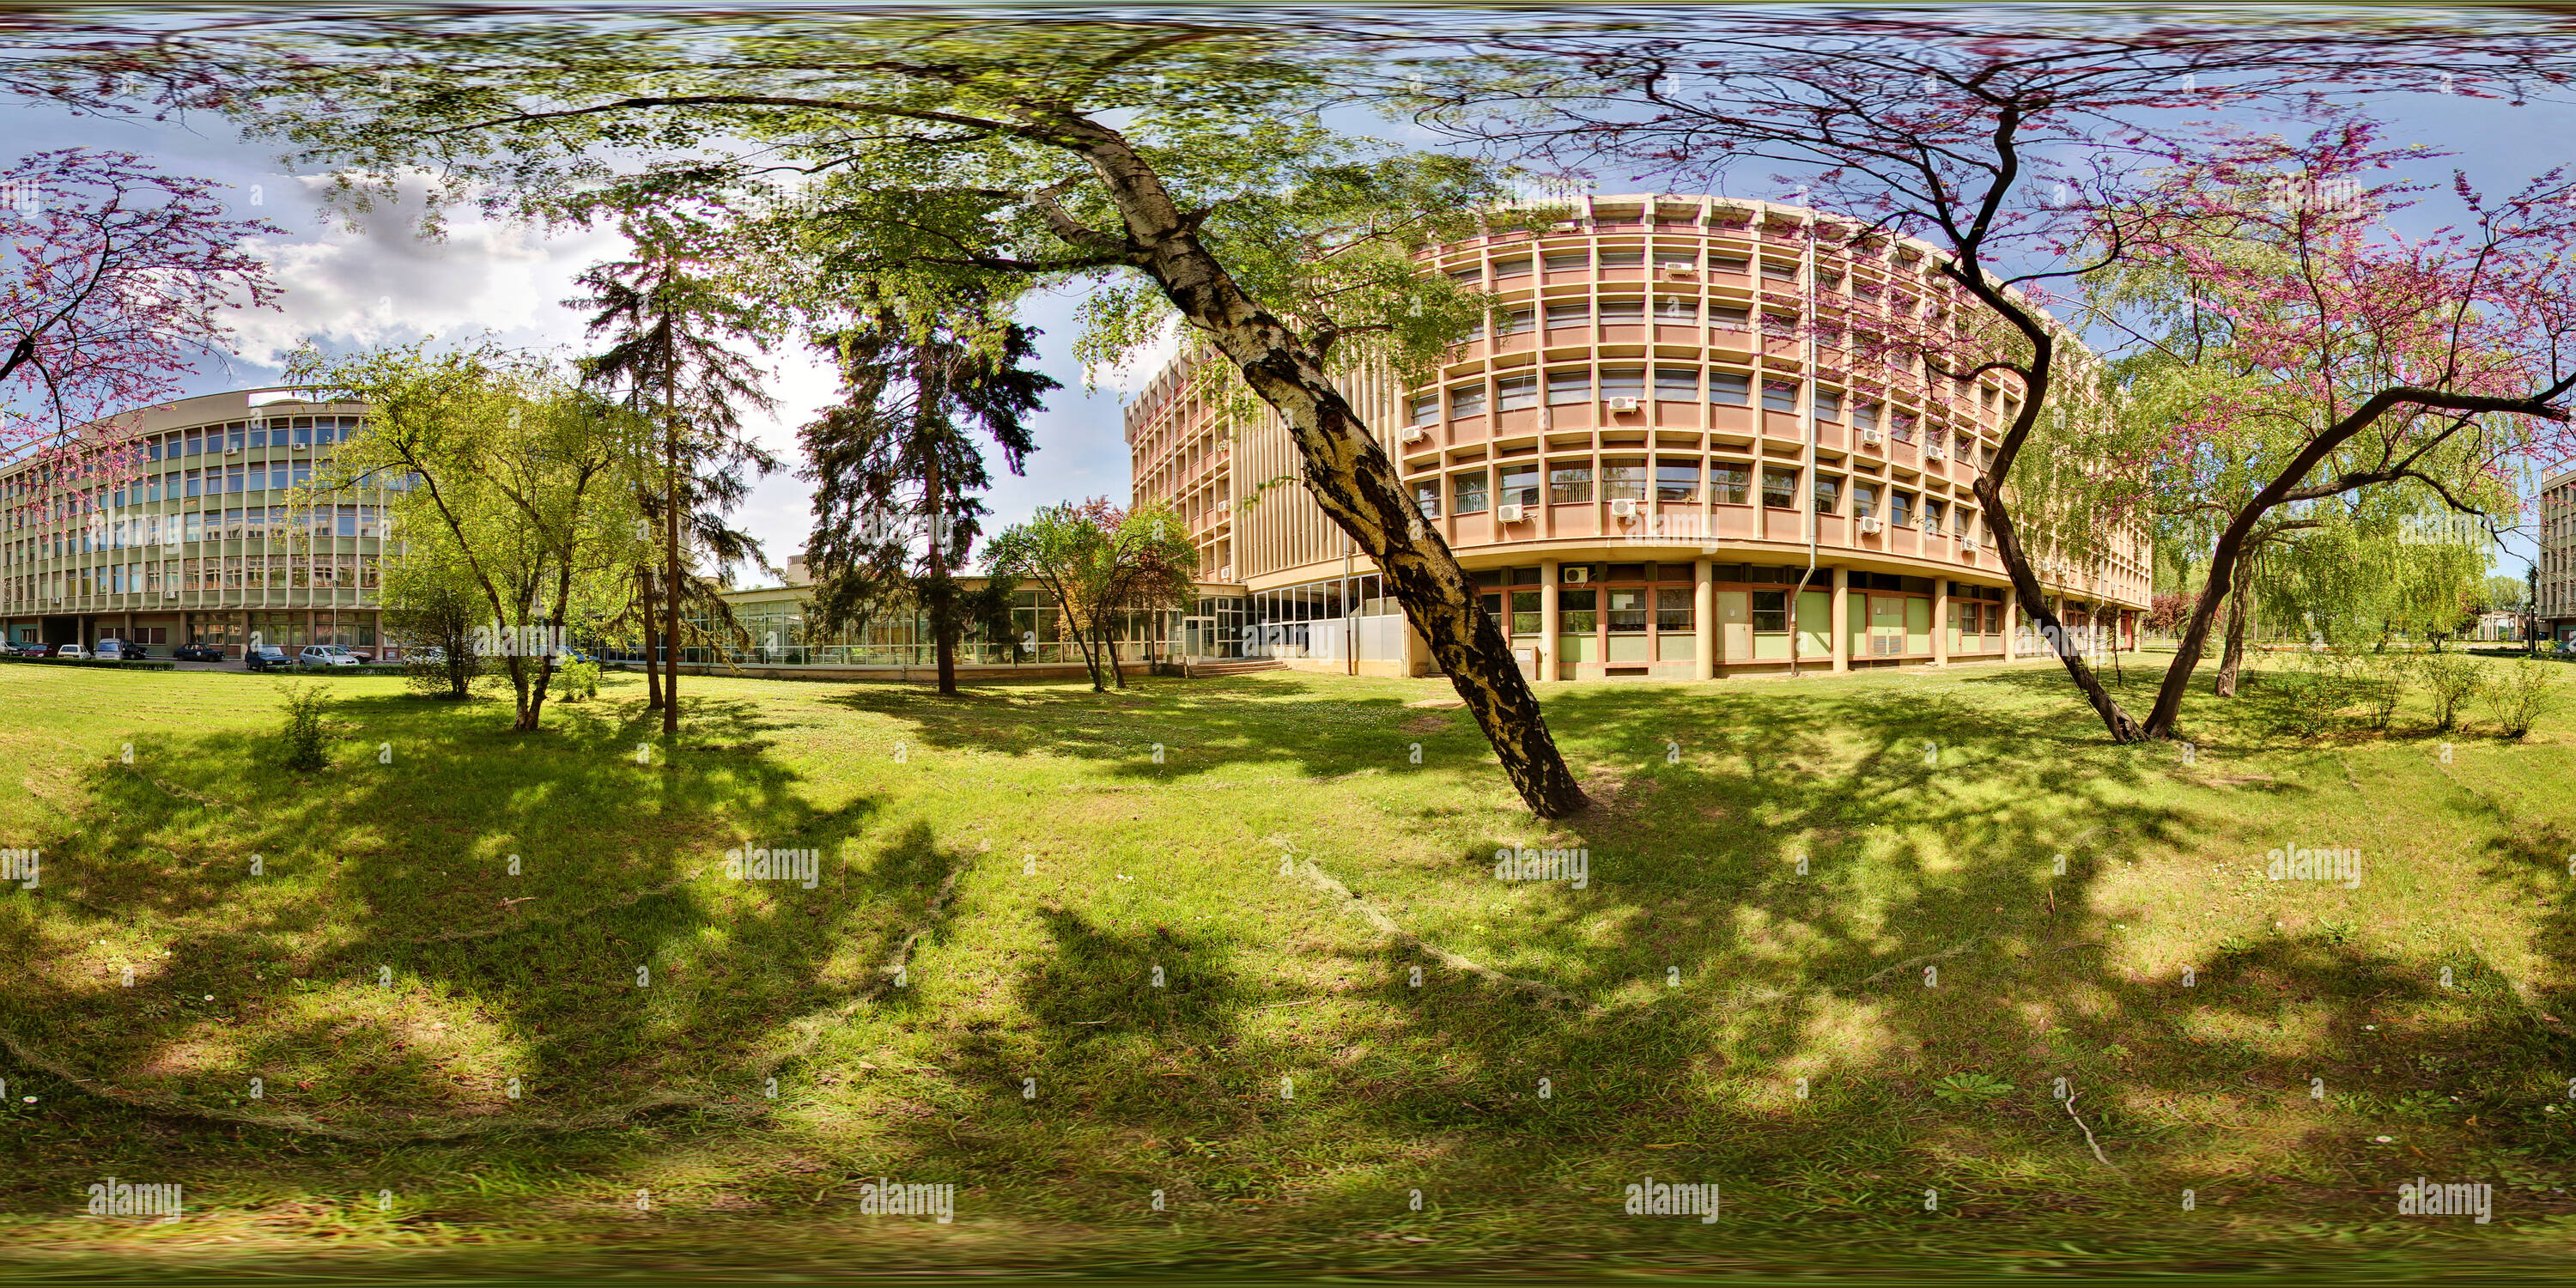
(2377, 683)
(2521, 695)
(2450, 679)
(305, 738)
(577, 680)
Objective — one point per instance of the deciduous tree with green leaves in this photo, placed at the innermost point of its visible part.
(934, 156)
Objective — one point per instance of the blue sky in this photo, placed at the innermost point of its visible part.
(383, 284)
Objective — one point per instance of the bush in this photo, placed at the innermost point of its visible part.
(2377, 684)
(2450, 679)
(449, 678)
(305, 737)
(577, 680)
(2521, 695)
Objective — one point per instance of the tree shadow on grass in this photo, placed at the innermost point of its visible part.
(488, 907)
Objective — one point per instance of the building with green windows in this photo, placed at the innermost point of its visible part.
(193, 522)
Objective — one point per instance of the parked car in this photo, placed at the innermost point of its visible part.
(30, 648)
(73, 652)
(325, 655)
(431, 656)
(267, 657)
(115, 651)
(198, 653)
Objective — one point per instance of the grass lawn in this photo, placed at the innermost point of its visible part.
(1234, 946)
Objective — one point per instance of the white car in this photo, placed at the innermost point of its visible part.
(73, 651)
(325, 655)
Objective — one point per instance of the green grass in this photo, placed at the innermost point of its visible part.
(387, 977)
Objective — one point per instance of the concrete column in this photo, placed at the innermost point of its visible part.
(1703, 620)
(1547, 575)
(1940, 621)
(2012, 622)
(1840, 629)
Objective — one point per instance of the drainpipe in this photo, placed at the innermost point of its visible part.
(1797, 598)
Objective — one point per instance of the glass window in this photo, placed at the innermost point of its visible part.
(233, 479)
(1677, 384)
(1730, 388)
(1730, 317)
(1569, 483)
(1516, 393)
(1512, 267)
(1468, 492)
(1569, 385)
(1676, 480)
(1624, 311)
(1932, 516)
(1902, 428)
(259, 435)
(1466, 400)
(1423, 409)
(1779, 488)
(1618, 257)
(1517, 321)
(1829, 494)
(1676, 308)
(277, 474)
(1770, 612)
(1779, 395)
(1865, 415)
(195, 443)
(1829, 405)
(1623, 478)
(1864, 500)
(1623, 382)
(1959, 520)
(1569, 313)
(1426, 497)
(1779, 271)
(1560, 260)
(1672, 610)
(193, 481)
(1520, 485)
(1628, 610)
(1577, 611)
(1728, 482)
(1527, 615)
(1470, 274)
(235, 433)
(1900, 509)
(348, 518)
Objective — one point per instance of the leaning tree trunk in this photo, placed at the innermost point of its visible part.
(2123, 727)
(1348, 472)
(2240, 608)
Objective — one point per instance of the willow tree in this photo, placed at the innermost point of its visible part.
(931, 156)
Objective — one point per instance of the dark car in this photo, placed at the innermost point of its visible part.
(32, 648)
(268, 657)
(198, 653)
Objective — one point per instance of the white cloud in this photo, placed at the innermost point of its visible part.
(383, 282)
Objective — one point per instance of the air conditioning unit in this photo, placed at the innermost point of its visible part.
(1681, 270)
(1225, 573)
(1624, 403)
(169, 594)
(1869, 523)
(1624, 507)
(1510, 513)
(232, 451)
(1934, 453)
(1414, 434)
(1968, 545)
(1871, 438)
(1576, 575)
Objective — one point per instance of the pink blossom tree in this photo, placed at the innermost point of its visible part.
(2349, 357)
(118, 278)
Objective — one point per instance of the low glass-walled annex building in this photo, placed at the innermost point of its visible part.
(201, 536)
(1642, 459)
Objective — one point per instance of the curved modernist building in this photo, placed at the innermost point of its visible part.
(1652, 467)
